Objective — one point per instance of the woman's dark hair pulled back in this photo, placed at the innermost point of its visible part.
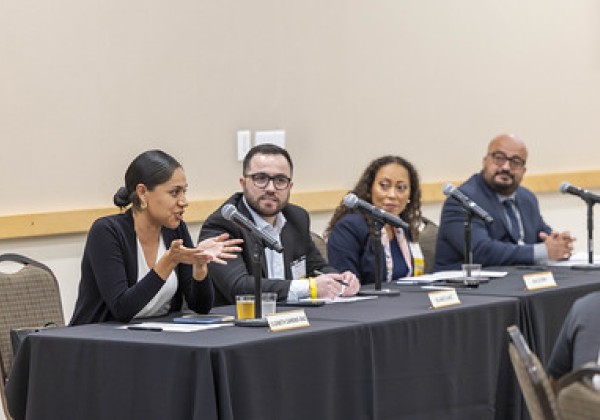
(151, 168)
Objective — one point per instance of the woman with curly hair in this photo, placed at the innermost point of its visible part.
(390, 183)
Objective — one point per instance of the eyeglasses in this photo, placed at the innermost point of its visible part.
(500, 159)
(261, 180)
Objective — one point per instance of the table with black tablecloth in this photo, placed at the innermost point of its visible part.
(388, 358)
(541, 315)
(542, 311)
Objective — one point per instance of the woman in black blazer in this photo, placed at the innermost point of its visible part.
(142, 262)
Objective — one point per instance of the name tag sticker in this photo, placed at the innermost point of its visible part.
(281, 321)
(443, 298)
(299, 268)
(542, 280)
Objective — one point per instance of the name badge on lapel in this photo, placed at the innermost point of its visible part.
(299, 268)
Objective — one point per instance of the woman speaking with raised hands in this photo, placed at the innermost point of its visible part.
(142, 262)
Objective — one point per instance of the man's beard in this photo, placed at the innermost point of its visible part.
(267, 213)
(501, 188)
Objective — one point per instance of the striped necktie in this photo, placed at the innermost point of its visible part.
(509, 206)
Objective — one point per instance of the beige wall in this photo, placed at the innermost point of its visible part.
(86, 85)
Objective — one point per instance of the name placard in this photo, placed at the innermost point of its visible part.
(287, 320)
(443, 298)
(542, 280)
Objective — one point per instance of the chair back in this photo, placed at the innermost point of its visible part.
(427, 241)
(320, 244)
(578, 399)
(29, 298)
(532, 378)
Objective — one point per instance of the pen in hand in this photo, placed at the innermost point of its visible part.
(320, 273)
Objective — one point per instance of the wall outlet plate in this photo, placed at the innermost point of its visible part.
(276, 137)
(243, 144)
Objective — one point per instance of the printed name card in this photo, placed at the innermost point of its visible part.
(535, 281)
(444, 298)
(287, 320)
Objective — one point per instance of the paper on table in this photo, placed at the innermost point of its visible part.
(339, 299)
(167, 326)
(577, 258)
(424, 279)
(444, 275)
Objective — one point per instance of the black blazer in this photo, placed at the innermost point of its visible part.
(236, 277)
(109, 289)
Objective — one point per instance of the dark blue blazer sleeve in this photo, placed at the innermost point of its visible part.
(348, 248)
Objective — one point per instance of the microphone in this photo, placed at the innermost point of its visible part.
(229, 212)
(565, 187)
(467, 203)
(352, 201)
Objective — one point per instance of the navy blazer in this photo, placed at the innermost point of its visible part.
(349, 248)
(109, 289)
(236, 277)
(492, 244)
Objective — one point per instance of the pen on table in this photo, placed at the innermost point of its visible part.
(319, 273)
(432, 287)
(531, 267)
(142, 328)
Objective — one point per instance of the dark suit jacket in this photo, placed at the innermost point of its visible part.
(109, 289)
(491, 244)
(236, 277)
(579, 337)
(349, 248)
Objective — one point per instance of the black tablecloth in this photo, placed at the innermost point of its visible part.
(388, 358)
(542, 311)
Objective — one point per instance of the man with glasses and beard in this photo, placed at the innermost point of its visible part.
(518, 234)
(300, 271)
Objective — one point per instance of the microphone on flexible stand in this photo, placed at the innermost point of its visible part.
(585, 195)
(352, 202)
(466, 203)
(229, 212)
(471, 209)
(590, 199)
(381, 218)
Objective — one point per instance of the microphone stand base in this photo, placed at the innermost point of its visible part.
(251, 322)
(586, 267)
(380, 292)
(466, 281)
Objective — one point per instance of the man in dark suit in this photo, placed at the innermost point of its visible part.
(300, 271)
(579, 339)
(518, 234)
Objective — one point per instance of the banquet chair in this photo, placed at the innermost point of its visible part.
(29, 298)
(578, 399)
(427, 240)
(533, 380)
(320, 244)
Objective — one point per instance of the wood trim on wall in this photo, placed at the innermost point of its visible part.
(79, 221)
